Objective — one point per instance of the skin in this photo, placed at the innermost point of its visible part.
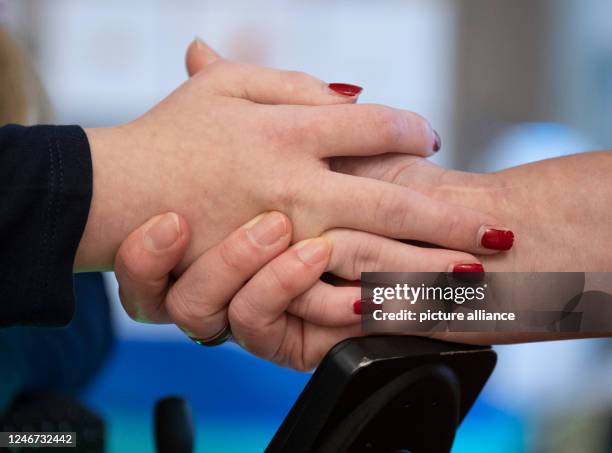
(531, 198)
(237, 140)
(263, 313)
(572, 193)
(265, 301)
(265, 284)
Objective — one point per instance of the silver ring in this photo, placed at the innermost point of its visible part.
(217, 339)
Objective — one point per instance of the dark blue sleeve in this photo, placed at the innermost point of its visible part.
(45, 193)
(34, 359)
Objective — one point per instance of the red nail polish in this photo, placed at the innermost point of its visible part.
(357, 307)
(437, 142)
(497, 239)
(471, 273)
(472, 267)
(346, 89)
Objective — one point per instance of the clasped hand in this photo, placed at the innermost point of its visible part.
(280, 154)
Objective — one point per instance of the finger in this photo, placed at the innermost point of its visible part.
(398, 212)
(143, 264)
(273, 86)
(305, 344)
(327, 305)
(270, 86)
(199, 55)
(368, 129)
(414, 172)
(257, 312)
(198, 301)
(356, 252)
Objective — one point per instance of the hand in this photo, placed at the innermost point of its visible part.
(576, 206)
(225, 146)
(269, 293)
(559, 207)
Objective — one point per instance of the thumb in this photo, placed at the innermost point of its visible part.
(199, 55)
(143, 265)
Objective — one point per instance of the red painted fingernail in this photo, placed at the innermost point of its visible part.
(357, 307)
(469, 273)
(471, 267)
(497, 239)
(437, 142)
(346, 89)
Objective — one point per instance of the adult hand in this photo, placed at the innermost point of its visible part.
(269, 293)
(560, 208)
(225, 146)
(533, 198)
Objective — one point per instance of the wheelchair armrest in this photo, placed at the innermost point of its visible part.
(386, 394)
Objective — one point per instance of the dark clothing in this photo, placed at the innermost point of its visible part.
(45, 193)
(35, 359)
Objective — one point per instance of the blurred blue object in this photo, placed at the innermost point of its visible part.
(238, 400)
(490, 428)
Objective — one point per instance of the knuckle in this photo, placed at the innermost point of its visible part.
(186, 309)
(401, 169)
(242, 315)
(290, 353)
(392, 211)
(452, 226)
(358, 258)
(389, 124)
(129, 263)
(366, 258)
(236, 253)
(286, 193)
(280, 279)
(314, 307)
(350, 251)
(422, 127)
(136, 278)
(285, 132)
(218, 68)
(180, 307)
(294, 81)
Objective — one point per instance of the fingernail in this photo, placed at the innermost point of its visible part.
(357, 307)
(267, 229)
(198, 42)
(437, 142)
(469, 273)
(471, 267)
(163, 233)
(345, 89)
(313, 251)
(496, 239)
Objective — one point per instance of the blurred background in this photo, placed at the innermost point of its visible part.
(504, 82)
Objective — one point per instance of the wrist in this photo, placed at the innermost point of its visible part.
(117, 205)
(558, 210)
